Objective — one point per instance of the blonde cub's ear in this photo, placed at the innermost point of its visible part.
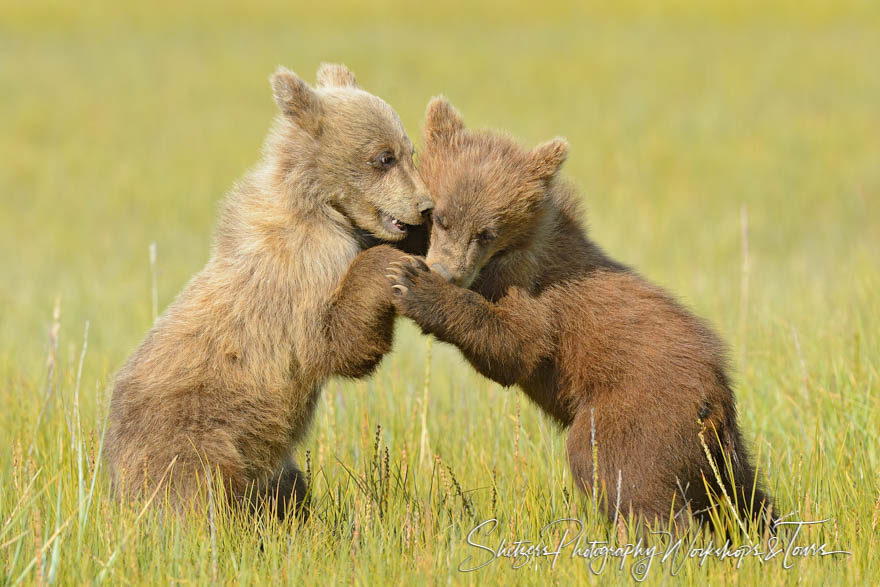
(335, 74)
(296, 99)
(442, 120)
(547, 158)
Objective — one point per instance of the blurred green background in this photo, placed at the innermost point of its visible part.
(690, 123)
(124, 125)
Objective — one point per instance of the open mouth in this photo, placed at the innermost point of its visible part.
(393, 224)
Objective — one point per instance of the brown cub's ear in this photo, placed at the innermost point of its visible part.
(442, 120)
(296, 99)
(546, 159)
(335, 74)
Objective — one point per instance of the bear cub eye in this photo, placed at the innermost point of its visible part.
(385, 160)
(487, 235)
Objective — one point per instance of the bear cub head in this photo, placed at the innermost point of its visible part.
(349, 149)
(489, 192)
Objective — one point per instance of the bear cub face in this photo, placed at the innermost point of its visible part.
(358, 158)
(488, 192)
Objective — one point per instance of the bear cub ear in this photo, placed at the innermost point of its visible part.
(335, 75)
(442, 120)
(546, 159)
(296, 99)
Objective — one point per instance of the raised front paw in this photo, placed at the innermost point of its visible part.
(405, 274)
(410, 278)
(379, 256)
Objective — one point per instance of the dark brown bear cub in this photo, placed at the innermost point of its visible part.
(586, 338)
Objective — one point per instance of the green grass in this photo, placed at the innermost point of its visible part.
(124, 126)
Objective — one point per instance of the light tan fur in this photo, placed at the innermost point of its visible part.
(229, 376)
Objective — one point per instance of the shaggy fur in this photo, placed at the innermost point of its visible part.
(592, 343)
(229, 376)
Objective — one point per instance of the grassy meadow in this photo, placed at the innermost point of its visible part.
(729, 152)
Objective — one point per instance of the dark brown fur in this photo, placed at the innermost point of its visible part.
(591, 342)
(228, 378)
